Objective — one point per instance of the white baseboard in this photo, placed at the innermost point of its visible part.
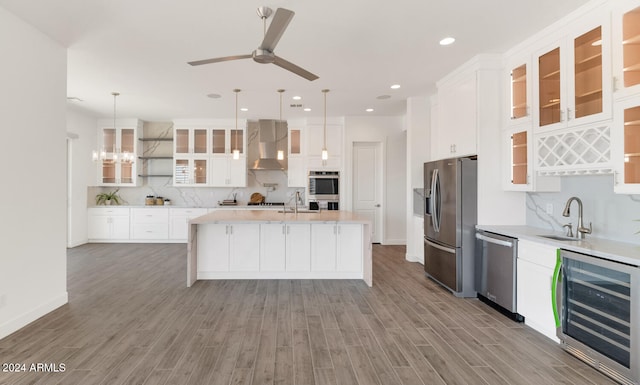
(23, 320)
(394, 242)
(413, 258)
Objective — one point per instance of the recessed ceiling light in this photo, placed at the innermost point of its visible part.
(382, 97)
(395, 86)
(447, 41)
(245, 109)
(296, 97)
(307, 109)
(214, 96)
(369, 110)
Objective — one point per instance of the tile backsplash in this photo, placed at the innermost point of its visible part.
(206, 196)
(613, 216)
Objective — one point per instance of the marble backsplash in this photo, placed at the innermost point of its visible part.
(613, 216)
(206, 196)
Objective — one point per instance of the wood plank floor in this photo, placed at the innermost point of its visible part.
(132, 320)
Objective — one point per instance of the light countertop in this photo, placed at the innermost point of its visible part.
(273, 216)
(604, 248)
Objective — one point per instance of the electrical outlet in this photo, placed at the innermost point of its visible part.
(550, 208)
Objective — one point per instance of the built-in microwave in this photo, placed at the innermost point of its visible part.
(324, 186)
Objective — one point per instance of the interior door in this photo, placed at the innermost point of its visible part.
(367, 185)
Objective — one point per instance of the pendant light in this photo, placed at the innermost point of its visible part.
(101, 155)
(325, 154)
(236, 149)
(280, 155)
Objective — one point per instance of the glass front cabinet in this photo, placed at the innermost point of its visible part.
(626, 146)
(519, 173)
(626, 44)
(572, 85)
(203, 156)
(116, 157)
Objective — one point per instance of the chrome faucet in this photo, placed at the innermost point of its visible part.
(581, 229)
(295, 210)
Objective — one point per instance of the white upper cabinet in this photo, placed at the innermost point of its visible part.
(203, 154)
(626, 146)
(626, 47)
(117, 155)
(572, 76)
(191, 141)
(456, 133)
(519, 90)
(296, 169)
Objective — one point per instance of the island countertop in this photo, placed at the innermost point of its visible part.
(273, 216)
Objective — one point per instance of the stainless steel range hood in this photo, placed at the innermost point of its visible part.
(268, 137)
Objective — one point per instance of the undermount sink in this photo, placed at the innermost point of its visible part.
(559, 238)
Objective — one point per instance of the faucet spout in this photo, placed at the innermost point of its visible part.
(567, 211)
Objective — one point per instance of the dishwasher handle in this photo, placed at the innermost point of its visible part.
(494, 240)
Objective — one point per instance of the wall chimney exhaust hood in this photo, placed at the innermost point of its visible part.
(266, 138)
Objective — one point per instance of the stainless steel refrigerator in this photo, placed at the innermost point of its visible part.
(449, 223)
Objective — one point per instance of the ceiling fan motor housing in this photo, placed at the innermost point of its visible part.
(263, 56)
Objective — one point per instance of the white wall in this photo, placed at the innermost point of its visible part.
(81, 131)
(418, 152)
(388, 130)
(33, 198)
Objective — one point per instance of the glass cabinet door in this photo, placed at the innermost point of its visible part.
(181, 173)
(631, 47)
(200, 141)
(200, 171)
(108, 171)
(632, 145)
(182, 141)
(549, 87)
(237, 137)
(218, 141)
(519, 161)
(588, 73)
(294, 142)
(126, 173)
(109, 139)
(518, 92)
(127, 140)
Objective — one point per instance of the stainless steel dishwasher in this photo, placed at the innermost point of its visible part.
(496, 272)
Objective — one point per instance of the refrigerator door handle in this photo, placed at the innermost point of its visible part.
(435, 200)
(437, 246)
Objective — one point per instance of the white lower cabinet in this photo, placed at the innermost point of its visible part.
(108, 224)
(535, 267)
(179, 222)
(298, 247)
(244, 247)
(336, 247)
(224, 247)
(149, 223)
(285, 247)
(213, 247)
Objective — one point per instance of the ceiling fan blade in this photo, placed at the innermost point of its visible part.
(219, 59)
(277, 27)
(280, 62)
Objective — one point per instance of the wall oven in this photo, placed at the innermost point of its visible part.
(597, 313)
(324, 186)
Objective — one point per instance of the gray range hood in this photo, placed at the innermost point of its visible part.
(267, 137)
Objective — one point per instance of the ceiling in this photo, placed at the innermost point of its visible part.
(358, 49)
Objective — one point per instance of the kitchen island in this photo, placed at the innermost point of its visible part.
(267, 244)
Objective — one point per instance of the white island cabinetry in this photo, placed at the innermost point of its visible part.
(265, 244)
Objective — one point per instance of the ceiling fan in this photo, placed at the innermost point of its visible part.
(264, 53)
